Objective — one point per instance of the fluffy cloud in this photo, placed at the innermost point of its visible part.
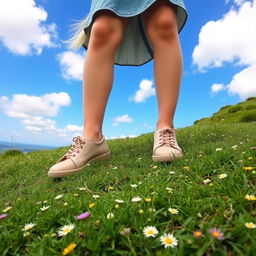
(145, 91)
(33, 111)
(22, 27)
(238, 2)
(244, 83)
(71, 65)
(232, 39)
(24, 106)
(122, 119)
(217, 87)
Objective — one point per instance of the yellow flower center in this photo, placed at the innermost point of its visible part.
(66, 230)
(216, 234)
(150, 232)
(198, 233)
(168, 240)
(91, 205)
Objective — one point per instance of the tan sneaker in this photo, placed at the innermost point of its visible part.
(81, 153)
(165, 146)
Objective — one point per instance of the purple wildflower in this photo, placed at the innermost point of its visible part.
(216, 233)
(253, 148)
(82, 216)
(3, 216)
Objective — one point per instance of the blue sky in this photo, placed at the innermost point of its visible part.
(40, 79)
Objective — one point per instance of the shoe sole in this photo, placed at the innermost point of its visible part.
(70, 172)
(166, 158)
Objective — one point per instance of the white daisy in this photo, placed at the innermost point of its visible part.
(28, 226)
(65, 229)
(222, 176)
(134, 185)
(168, 240)
(218, 149)
(44, 208)
(206, 181)
(150, 231)
(82, 188)
(119, 201)
(136, 199)
(250, 225)
(110, 215)
(95, 196)
(58, 196)
(173, 211)
(7, 209)
(170, 190)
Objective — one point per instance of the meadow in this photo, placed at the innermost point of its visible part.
(201, 204)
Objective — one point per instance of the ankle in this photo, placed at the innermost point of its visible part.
(93, 135)
(161, 125)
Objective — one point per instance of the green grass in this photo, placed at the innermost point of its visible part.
(244, 112)
(220, 203)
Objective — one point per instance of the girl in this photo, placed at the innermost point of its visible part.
(126, 32)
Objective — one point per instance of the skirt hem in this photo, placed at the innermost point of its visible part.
(87, 28)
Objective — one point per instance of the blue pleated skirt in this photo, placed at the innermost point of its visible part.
(135, 48)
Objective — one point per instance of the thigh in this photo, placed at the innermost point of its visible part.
(161, 9)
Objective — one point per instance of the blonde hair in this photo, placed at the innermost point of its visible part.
(78, 36)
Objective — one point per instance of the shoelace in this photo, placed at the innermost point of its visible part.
(166, 137)
(75, 148)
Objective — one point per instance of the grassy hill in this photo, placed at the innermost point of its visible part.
(212, 186)
(242, 112)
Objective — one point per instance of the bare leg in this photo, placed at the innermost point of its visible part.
(160, 20)
(106, 35)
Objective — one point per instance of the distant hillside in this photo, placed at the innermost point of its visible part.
(4, 145)
(244, 111)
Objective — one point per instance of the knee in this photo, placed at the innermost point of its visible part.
(164, 28)
(105, 33)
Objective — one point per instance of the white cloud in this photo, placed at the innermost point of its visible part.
(122, 119)
(231, 39)
(34, 110)
(39, 121)
(34, 129)
(22, 27)
(73, 128)
(244, 83)
(24, 106)
(237, 2)
(71, 65)
(217, 87)
(145, 91)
